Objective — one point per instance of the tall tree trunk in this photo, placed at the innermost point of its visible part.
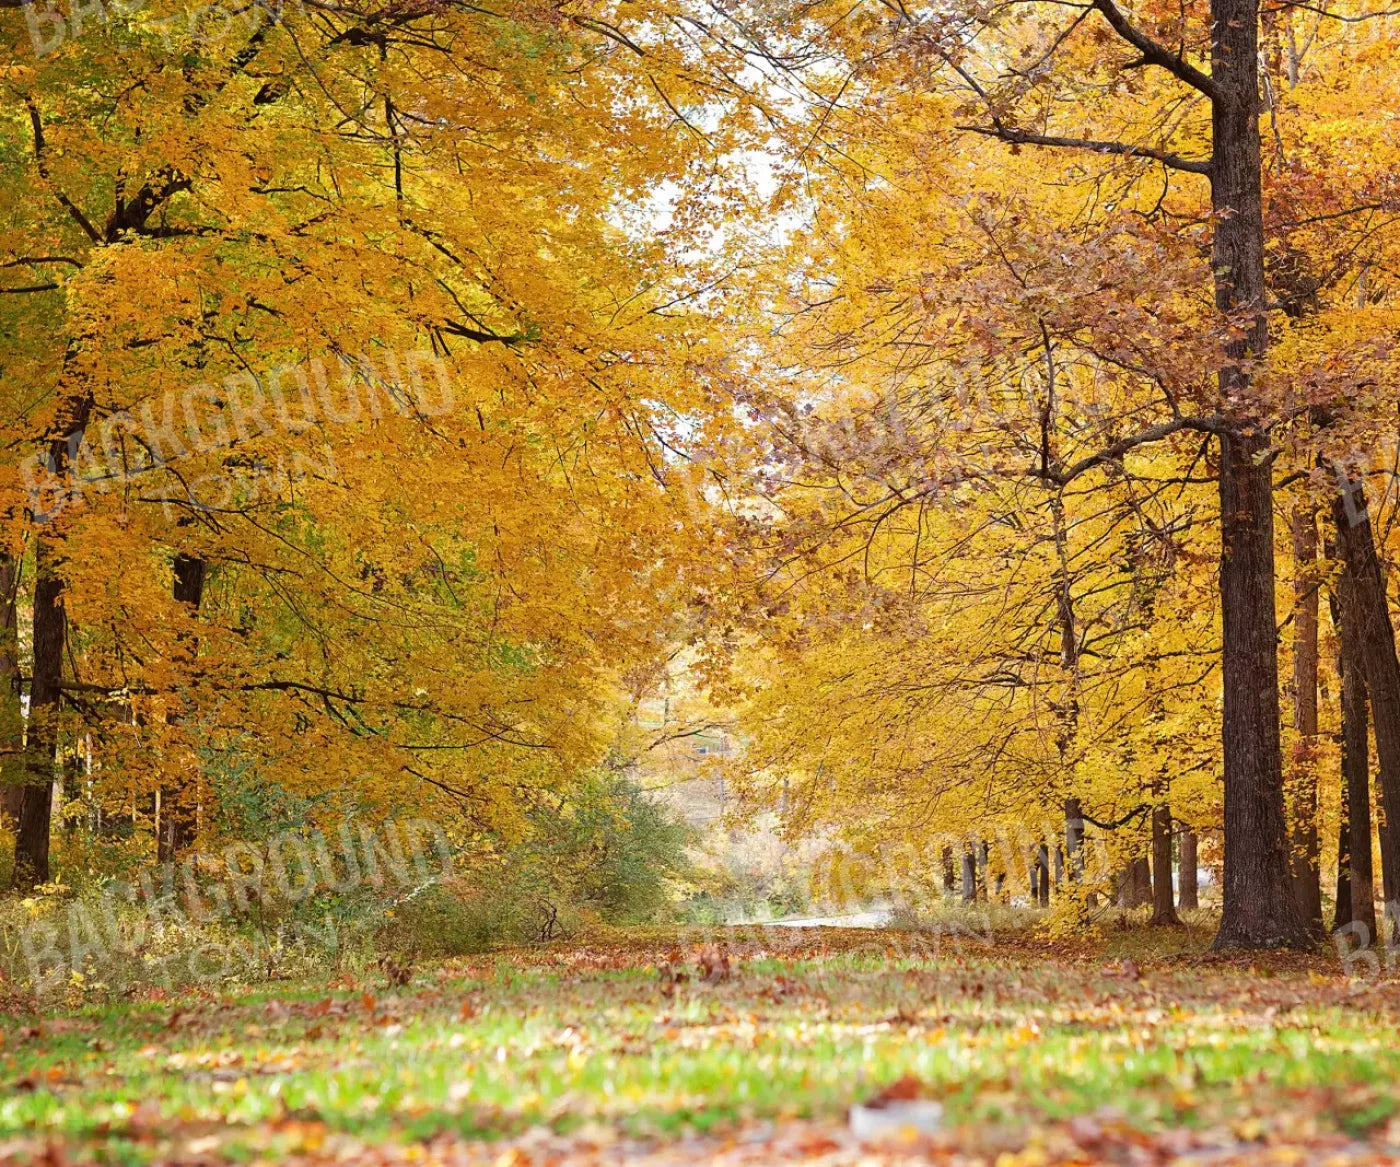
(969, 876)
(1069, 662)
(1074, 846)
(178, 802)
(1163, 909)
(36, 810)
(1307, 883)
(1042, 863)
(1355, 836)
(1390, 894)
(50, 633)
(1342, 913)
(11, 692)
(1188, 891)
(948, 879)
(1375, 639)
(1260, 910)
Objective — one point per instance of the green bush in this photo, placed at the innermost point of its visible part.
(604, 853)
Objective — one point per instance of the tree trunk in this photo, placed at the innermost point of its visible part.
(1342, 914)
(1188, 893)
(1042, 864)
(969, 877)
(50, 633)
(1163, 909)
(177, 821)
(1307, 884)
(1389, 893)
(36, 810)
(1355, 834)
(11, 693)
(1375, 639)
(948, 878)
(1260, 910)
(1135, 886)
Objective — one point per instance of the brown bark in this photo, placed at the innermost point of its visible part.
(1188, 891)
(1163, 909)
(1360, 905)
(1260, 910)
(1307, 884)
(948, 878)
(11, 693)
(50, 631)
(1365, 595)
(1074, 839)
(1389, 876)
(36, 810)
(1135, 884)
(177, 821)
(969, 877)
(1342, 913)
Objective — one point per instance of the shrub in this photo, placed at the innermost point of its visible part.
(604, 852)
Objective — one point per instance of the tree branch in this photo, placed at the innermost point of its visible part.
(37, 125)
(1137, 811)
(1155, 54)
(1026, 138)
(1111, 453)
(37, 260)
(1284, 7)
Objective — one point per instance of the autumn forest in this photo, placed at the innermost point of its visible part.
(855, 527)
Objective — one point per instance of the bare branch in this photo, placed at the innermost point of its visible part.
(39, 260)
(1213, 424)
(1284, 7)
(1127, 149)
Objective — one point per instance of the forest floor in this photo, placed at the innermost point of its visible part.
(733, 1047)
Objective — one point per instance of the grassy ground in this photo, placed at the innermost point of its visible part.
(650, 1044)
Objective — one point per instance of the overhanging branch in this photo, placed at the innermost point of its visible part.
(1126, 149)
(1111, 453)
(1154, 53)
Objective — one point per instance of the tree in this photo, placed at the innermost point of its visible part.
(1354, 851)
(433, 523)
(1306, 872)
(1258, 907)
(887, 114)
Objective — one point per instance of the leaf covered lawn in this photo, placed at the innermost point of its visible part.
(660, 1049)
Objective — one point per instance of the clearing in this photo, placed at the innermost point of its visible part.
(740, 1046)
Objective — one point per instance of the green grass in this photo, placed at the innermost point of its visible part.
(804, 1026)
